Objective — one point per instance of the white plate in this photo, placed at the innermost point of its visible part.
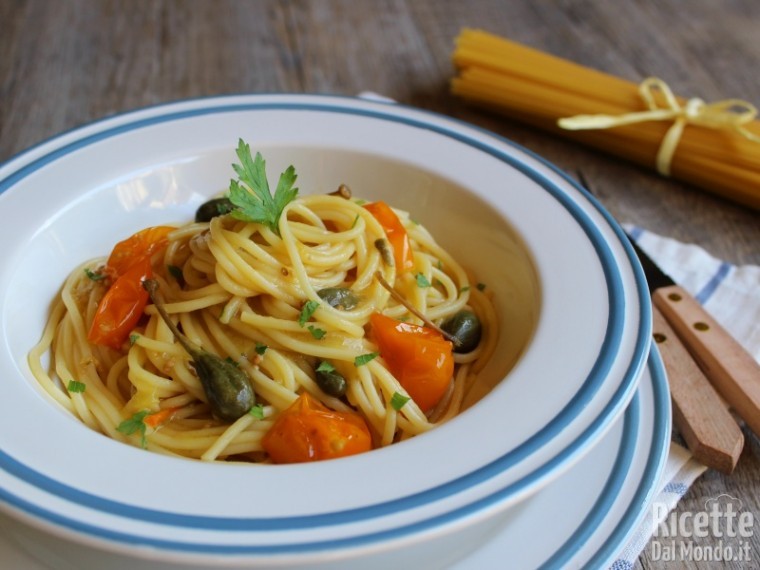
(593, 508)
(596, 506)
(155, 165)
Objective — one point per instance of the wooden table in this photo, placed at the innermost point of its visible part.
(65, 63)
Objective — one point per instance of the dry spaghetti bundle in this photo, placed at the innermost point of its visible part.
(715, 146)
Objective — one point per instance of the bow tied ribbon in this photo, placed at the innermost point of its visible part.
(728, 115)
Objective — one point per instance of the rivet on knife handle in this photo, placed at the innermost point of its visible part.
(729, 367)
(709, 429)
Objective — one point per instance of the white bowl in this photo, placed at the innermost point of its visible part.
(572, 306)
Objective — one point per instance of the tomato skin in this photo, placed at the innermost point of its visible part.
(141, 244)
(309, 431)
(403, 256)
(121, 307)
(419, 357)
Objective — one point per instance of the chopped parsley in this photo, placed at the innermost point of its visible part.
(325, 366)
(481, 286)
(422, 281)
(307, 311)
(257, 411)
(464, 289)
(76, 387)
(133, 339)
(251, 195)
(398, 401)
(232, 361)
(261, 348)
(363, 359)
(317, 333)
(135, 424)
(94, 275)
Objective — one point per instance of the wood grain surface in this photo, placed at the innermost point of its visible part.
(65, 63)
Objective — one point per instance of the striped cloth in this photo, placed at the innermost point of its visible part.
(731, 294)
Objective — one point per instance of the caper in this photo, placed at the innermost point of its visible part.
(212, 208)
(331, 383)
(339, 297)
(465, 327)
(227, 387)
(385, 252)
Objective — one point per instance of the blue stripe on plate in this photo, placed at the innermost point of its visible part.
(647, 488)
(573, 408)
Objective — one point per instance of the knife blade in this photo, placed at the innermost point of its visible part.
(731, 370)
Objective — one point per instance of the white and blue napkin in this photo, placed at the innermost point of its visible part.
(731, 294)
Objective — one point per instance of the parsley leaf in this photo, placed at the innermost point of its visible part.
(398, 401)
(261, 348)
(94, 275)
(133, 339)
(325, 366)
(135, 424)
(317, 333)
(76, 387)
(307, 311)
(257, 411)
(251, 194)
(363, 359)
(422, 281)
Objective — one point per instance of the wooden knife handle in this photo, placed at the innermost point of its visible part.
(702, 418)
(728, 366)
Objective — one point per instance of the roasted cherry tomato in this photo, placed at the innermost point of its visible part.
(419, 357)
(397, 236)
(309, 431)
(121, 307)
(131, 250)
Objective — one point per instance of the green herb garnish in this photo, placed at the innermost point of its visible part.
(76, 387)
(325, 366)
(398, 401)
(422, 281)
(363, 359)
(307, 311)
(94, 275)
(133, 339)
(135, 424)
(257, 411)
(261, 348)
(481, 286)
(250, 194)
(317, 333)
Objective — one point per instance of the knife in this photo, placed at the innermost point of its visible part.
(702, 418)
(731, 370)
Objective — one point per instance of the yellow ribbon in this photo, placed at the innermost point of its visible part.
(727, 115)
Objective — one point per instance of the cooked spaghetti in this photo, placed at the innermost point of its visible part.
(288, 302)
